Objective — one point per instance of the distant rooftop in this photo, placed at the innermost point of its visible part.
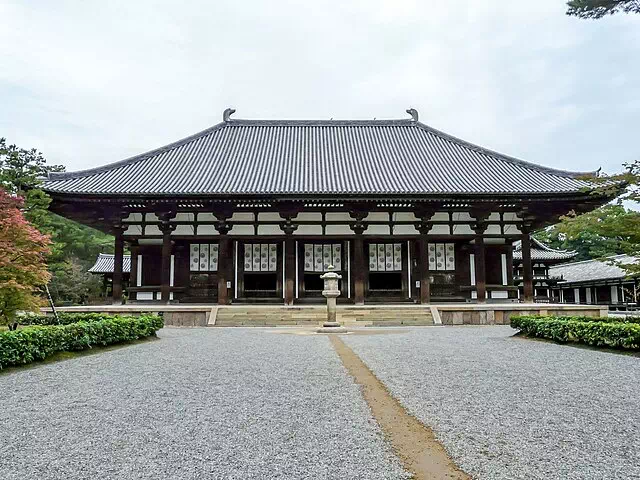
(541, 252)
(593, 270)
(104, 264)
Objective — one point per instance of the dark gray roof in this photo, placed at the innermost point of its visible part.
(372, 157)
(104, 264)
(593, 270)
(541, 252)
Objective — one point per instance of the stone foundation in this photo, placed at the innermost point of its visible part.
(349, 315)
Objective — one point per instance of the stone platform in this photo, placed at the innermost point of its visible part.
(348, 315)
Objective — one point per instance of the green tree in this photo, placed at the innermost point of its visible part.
(606, 231)
(72, 283)
(21, 173)
(600, 8)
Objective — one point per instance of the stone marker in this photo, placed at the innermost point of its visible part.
(331, 292)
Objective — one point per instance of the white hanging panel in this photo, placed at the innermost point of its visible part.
(388, 253)
(337, 256)
(440, 256)
(397, 256)
(248, 258)
(373, 257)
(273, 257)
(194, 257)
(264, 257)
(450, 256)
(204, 257)
(326, 257)
(381, 257)
(432, 256)
(317, 258)
(256, 257)
(213, 257)
(308, 257)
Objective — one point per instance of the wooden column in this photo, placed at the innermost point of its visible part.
(423, 262)
(165, 288)
(133, 274)
(225, 265)
(481, 214)
(116, 294)
(480, 267)
(289, 270)
(527, 267)
(358, 213)
(359, 269)
(288, 212)
(225, 251)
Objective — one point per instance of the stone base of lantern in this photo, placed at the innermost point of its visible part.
(331, 327)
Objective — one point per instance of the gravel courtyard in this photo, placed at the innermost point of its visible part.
(195, 404)
(510, 408)
(245, 403)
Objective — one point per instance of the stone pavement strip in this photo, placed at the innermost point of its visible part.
(194, 404)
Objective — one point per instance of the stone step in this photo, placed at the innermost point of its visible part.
(361, 316)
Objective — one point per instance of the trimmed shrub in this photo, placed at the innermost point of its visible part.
(64, 318)
(582, 318)
(29, 344)
(594, 332)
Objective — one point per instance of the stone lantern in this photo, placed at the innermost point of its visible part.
(331, 292)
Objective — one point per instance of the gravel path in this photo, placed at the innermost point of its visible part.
(509, 408)
(196, 404)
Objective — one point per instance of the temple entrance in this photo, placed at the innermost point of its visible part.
(316, 258)
(387, 277)
(260, 272)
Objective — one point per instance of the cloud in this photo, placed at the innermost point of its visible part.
(94, 82)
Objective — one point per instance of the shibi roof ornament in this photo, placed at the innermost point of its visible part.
(414, 114)
(227, 114)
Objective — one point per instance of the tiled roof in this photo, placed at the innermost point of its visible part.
(104, 264)
(593, 270)
(371, 157)
(541, 252)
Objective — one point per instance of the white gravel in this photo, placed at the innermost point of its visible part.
(511, 408)
(196, 404)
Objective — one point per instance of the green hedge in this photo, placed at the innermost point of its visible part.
(33, 343)
(582, 318)
(598, 333)
(64, 318)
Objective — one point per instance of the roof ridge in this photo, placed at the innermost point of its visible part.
(504, 157)
(331, 122)
(548, 248)
(601, 260)
(136, 158)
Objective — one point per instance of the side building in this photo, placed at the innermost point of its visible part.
(254, 211)
(543, 258)
(598, 282)
(104, 267)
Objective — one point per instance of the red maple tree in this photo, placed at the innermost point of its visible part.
(23, 255)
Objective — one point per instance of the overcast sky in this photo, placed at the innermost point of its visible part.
(92, 82)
